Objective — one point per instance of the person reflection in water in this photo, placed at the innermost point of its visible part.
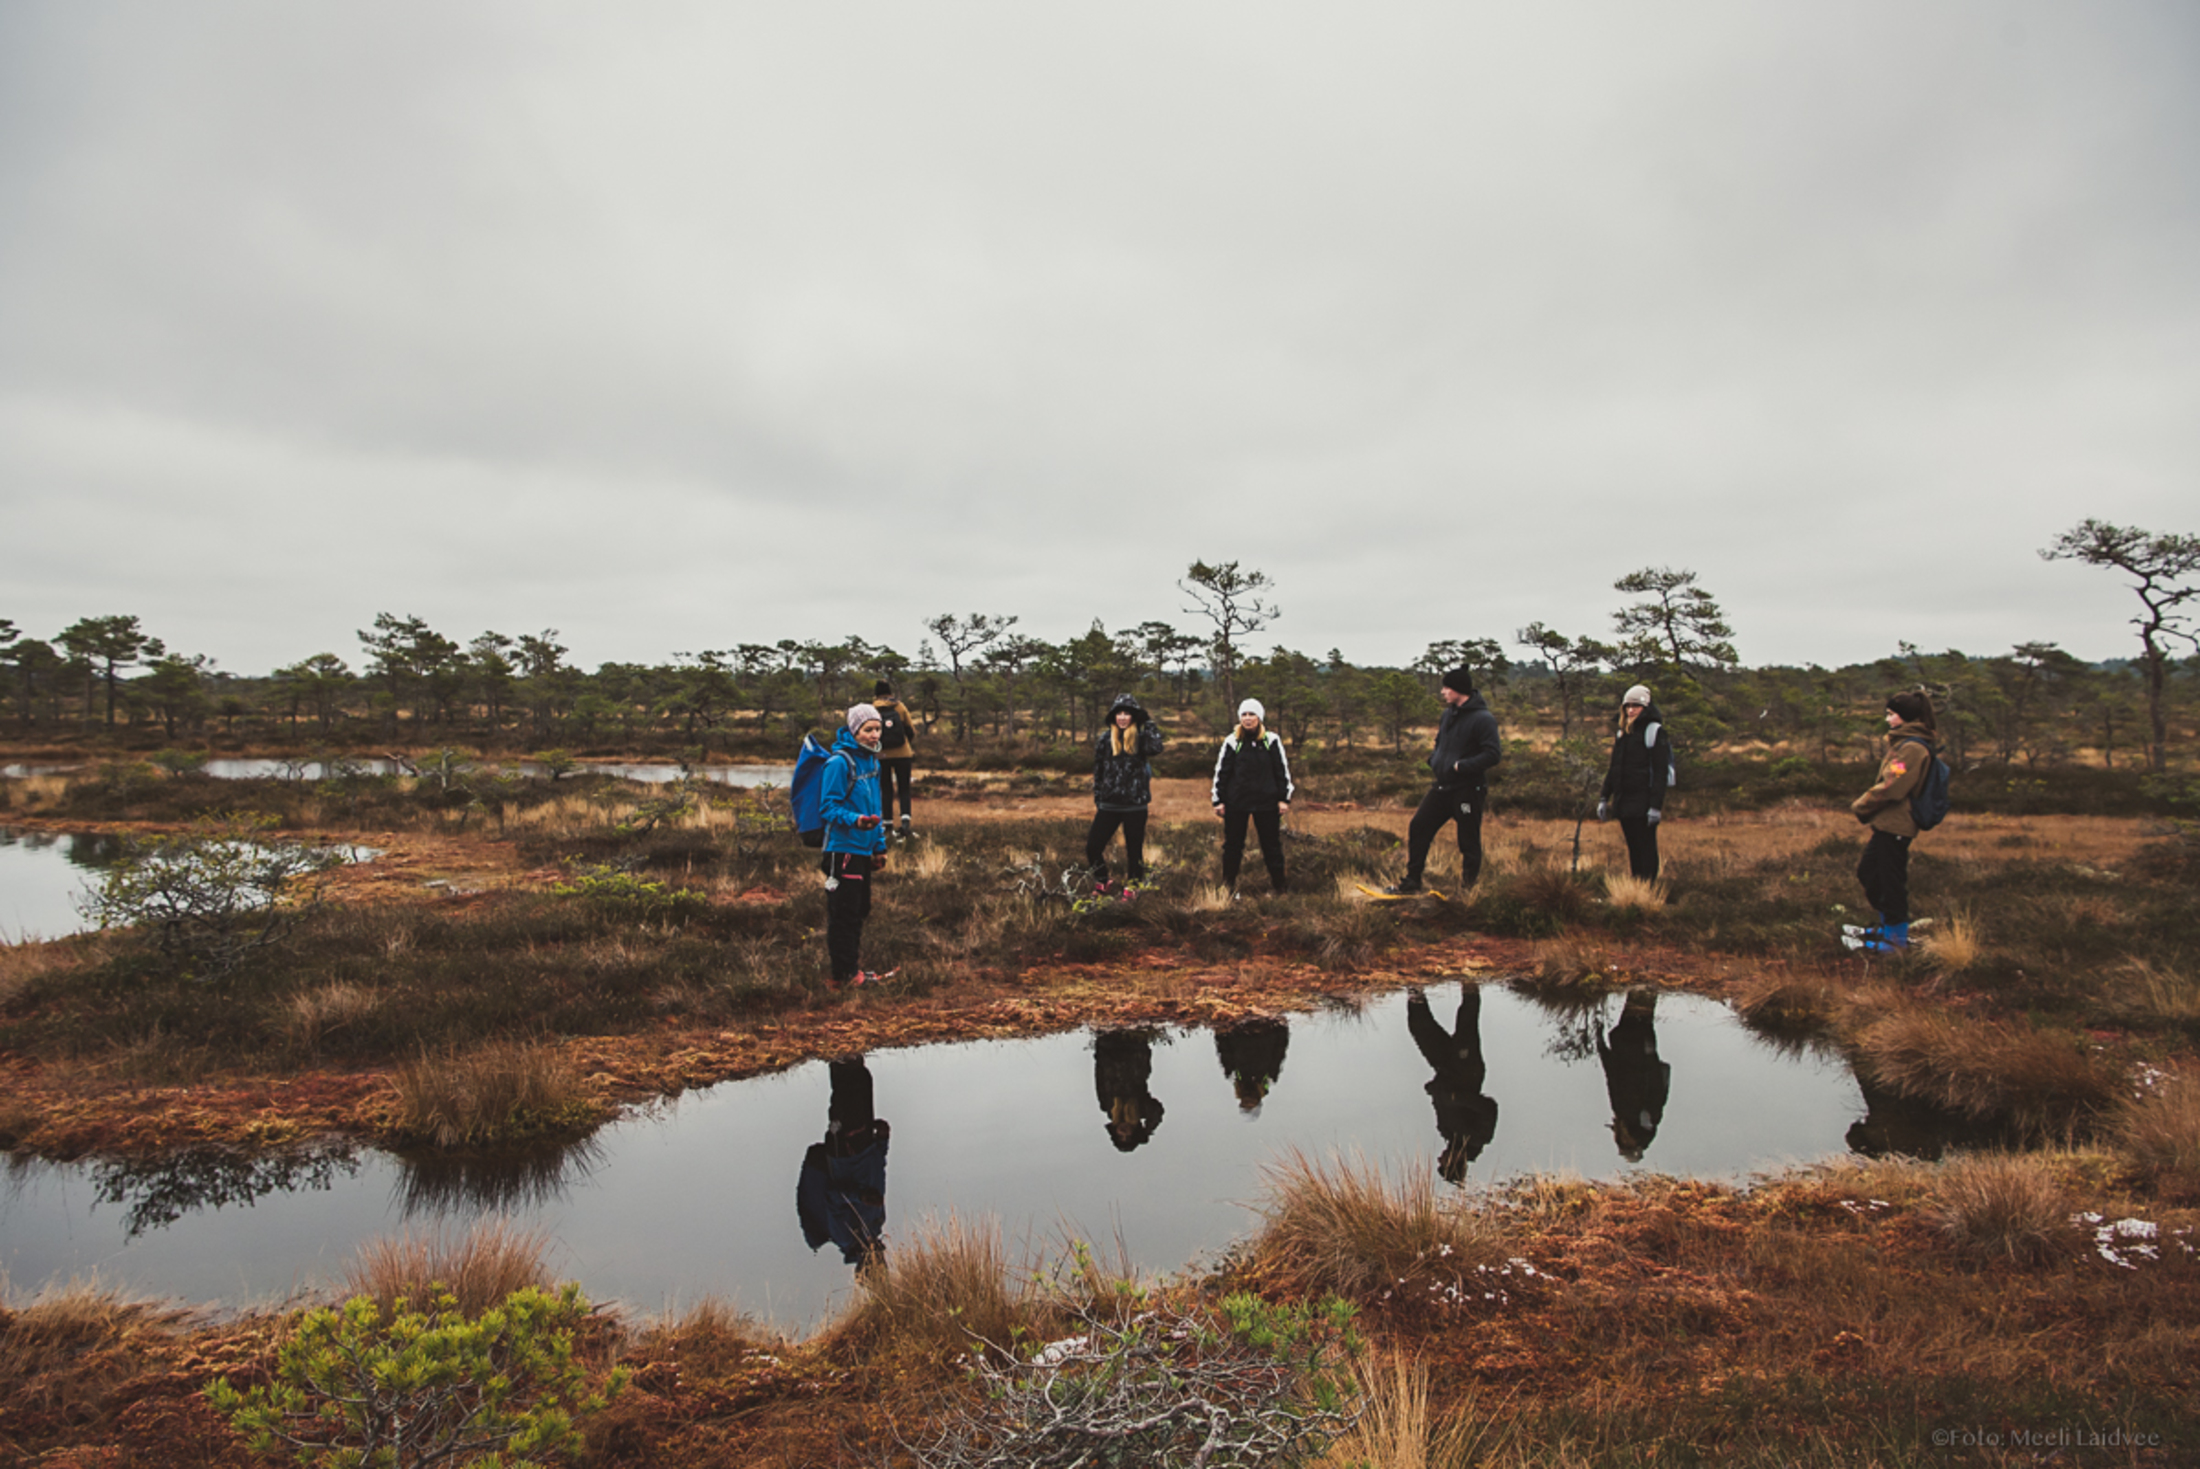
(1122, 1064)
(1251, 1053)
(841, 1195)
(1634, 1078)
(1466, 1118)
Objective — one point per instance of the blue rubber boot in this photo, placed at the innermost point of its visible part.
(1893, 938)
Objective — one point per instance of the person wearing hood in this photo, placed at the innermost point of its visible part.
(1467, 749)
(855, 841)
(897, 753)
(1912, 746)
(1636, 1081)
(1252, 783)
(1122, 788)
(1634, 786)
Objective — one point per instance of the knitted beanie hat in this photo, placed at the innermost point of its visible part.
(1253, 707)
(1639, 694)
(882, 690)
(859, 716)
(1460, 680)
(1913, 706)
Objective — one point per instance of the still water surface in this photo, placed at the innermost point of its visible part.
(1144, 1134)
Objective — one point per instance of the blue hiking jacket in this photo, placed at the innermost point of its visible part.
(849, 789)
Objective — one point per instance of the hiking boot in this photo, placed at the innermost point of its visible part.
(1410, 888)
(904, 832)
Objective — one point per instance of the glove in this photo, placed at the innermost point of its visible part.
(1655, 816)
(1604, 810)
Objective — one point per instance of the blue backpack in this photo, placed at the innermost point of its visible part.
(807, 790)
(1929, 802)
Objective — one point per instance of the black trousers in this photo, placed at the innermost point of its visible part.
(1104, 825)
(1885, 873)
(892, 775)
(1437, 807)
(1269, 824)
(1642, 846)
(847, 905)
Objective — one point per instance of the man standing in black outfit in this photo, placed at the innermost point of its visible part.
(1467, 747)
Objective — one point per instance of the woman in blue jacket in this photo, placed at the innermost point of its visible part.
(855, 840)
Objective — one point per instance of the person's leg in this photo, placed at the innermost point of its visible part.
(1428, 819)
(1270, 826)
(1467, 811)
(895, 775)
(1895, 884)
(1233, 845)
(1134, 843)
(1103, 827)
(845, 896)
(1642, 845)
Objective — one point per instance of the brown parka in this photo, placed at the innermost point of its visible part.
(1886, 806)
(906, 747)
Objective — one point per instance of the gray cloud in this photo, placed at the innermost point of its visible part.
(706, 324)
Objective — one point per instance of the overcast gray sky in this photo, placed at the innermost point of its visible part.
(674, 326)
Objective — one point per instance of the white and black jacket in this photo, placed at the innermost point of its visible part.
(1252, 774)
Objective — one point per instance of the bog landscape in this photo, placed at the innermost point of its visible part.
(421, 1049)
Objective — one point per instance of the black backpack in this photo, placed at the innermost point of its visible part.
(893, 728)
(1929, 802)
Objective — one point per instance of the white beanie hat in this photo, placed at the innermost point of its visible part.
(1252, 707)
(861, 715)
(1639, 694)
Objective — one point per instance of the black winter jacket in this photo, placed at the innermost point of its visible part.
(1125, 782)
(1641, 758)
(1252, 775)
(1467, 746)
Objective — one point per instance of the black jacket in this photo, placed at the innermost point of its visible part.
(1467, 746)
(1641, 759)
(1252, 776)
(1125, 782)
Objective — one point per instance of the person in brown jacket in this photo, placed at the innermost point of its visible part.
(1912, 741)
(897, 754)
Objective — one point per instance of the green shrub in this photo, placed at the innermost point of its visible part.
(208, 898)
(611, 887)
(426, 1387)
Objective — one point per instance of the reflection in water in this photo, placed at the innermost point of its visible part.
(1122, 1067)
(91, 851)
(841, 1193)
(1634, 1078)
(1464, 1116)
(1251, 1053)
(436, 1182)
(160, 1191)
(1893, 1125)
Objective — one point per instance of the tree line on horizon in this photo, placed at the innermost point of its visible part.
(977, 674)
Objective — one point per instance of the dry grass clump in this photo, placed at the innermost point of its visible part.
(2035, 1079)
(1208, 897)
(2161, 1131)
(1953, 946)
(934, 1291)
(710, 1339)
(1344, 1227)
(499, 1091)
(1574, 962)
(481, 1267)
(1398, 1426)
(1551, 891)
(1788, 1000)
(319, 1012)
(931, 860)
(21, 963)
(2162, 993)
(1643, 894)
(2002, 1206)
(73, 1344)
